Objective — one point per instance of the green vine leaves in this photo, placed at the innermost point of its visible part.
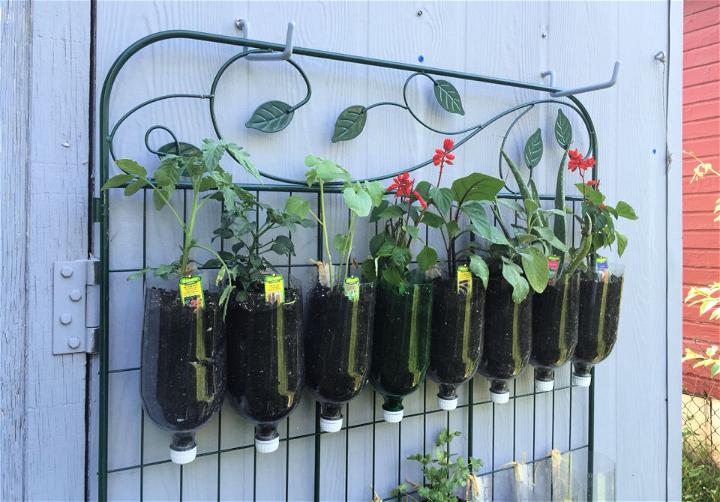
(351, 121)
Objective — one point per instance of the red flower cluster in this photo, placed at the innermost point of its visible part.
(444, 156)
(404, 187)
(577, 161)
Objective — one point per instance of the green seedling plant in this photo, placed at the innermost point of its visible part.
(522, 253)
(446, 206)
(202, 168)
(243, 224)
(445, 474)
(360, 199)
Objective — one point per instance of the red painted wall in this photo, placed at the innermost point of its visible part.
(701, 135)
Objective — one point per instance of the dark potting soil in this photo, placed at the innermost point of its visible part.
(401, 344)
(599, 316)
(183, 360)
(555, 323)
(457, 331)
(508, 332)
(338, 343)
(265, 356)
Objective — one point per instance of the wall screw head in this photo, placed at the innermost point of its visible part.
(65, 319)
(419, 13)
(73, 342)
(66, 145)
(240, 24)
(544, 34)
(66, 272)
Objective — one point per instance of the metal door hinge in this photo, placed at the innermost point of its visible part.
(76, 306)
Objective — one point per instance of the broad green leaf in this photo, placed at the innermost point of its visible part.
(559, 219)
(511, 204)
(282, 245)
(474, 209)
(207, 183)
(534, 149)
(625, 210)
(622, 242)
(117, 180)
(590, 193)
(375, 190)
(452, 228)
(432, 220)
(131, 167)
(481, 225)
(180, 149)
(134, 187)
(513, 275)
(448, 97)
(242, 157)
(296, 206)
(350, 123)
(358, 202)
(212, 152)
(480, 269)
(715, 370)
(159, 197)
(426, 258)
(563, 131)
(536, 269)
(392, 211)
(476, 186)
(546, 234)
(392, 276)
(414, 232)
(341, 243)
(328, 171)
(423, 188)
(272, 116)
(442, 198)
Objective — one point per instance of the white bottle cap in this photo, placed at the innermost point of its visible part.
(330, 424)
(393, 417)
(447, 404)
(182, 457)
(544, 385)
(499, 398)
(581, 380)
(267, 445)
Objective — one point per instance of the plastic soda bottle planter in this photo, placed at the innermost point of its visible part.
(401, 343)
(265, 361)
(338, 346)
(457, 334)
(183, 363)
(508, 337)
(600, 294)
(555, 329)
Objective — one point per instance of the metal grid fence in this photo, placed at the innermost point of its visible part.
(701, 426)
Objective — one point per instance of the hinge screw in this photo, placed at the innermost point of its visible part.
(75, 295)
(73, 342)
(66, 272)
(65, 319)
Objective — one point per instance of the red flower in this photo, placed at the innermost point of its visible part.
(593, 184)
(578, 161)
(444, 156)
(404, 188)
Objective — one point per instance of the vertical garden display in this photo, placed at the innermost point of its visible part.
(183, 343)
(518, 264)
(264, 312)
(459, 287)
(342, 303)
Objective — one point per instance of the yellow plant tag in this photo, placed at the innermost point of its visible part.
(274, 289)
(464, 279)
(191, 291)
(601, 267)
(352, 288)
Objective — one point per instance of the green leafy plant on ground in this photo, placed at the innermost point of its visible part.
(445, 474)
(700, 477)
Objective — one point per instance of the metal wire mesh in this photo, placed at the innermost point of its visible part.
(701, 426)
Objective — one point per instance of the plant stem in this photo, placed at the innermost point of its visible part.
(187, 242)
(325, 236)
